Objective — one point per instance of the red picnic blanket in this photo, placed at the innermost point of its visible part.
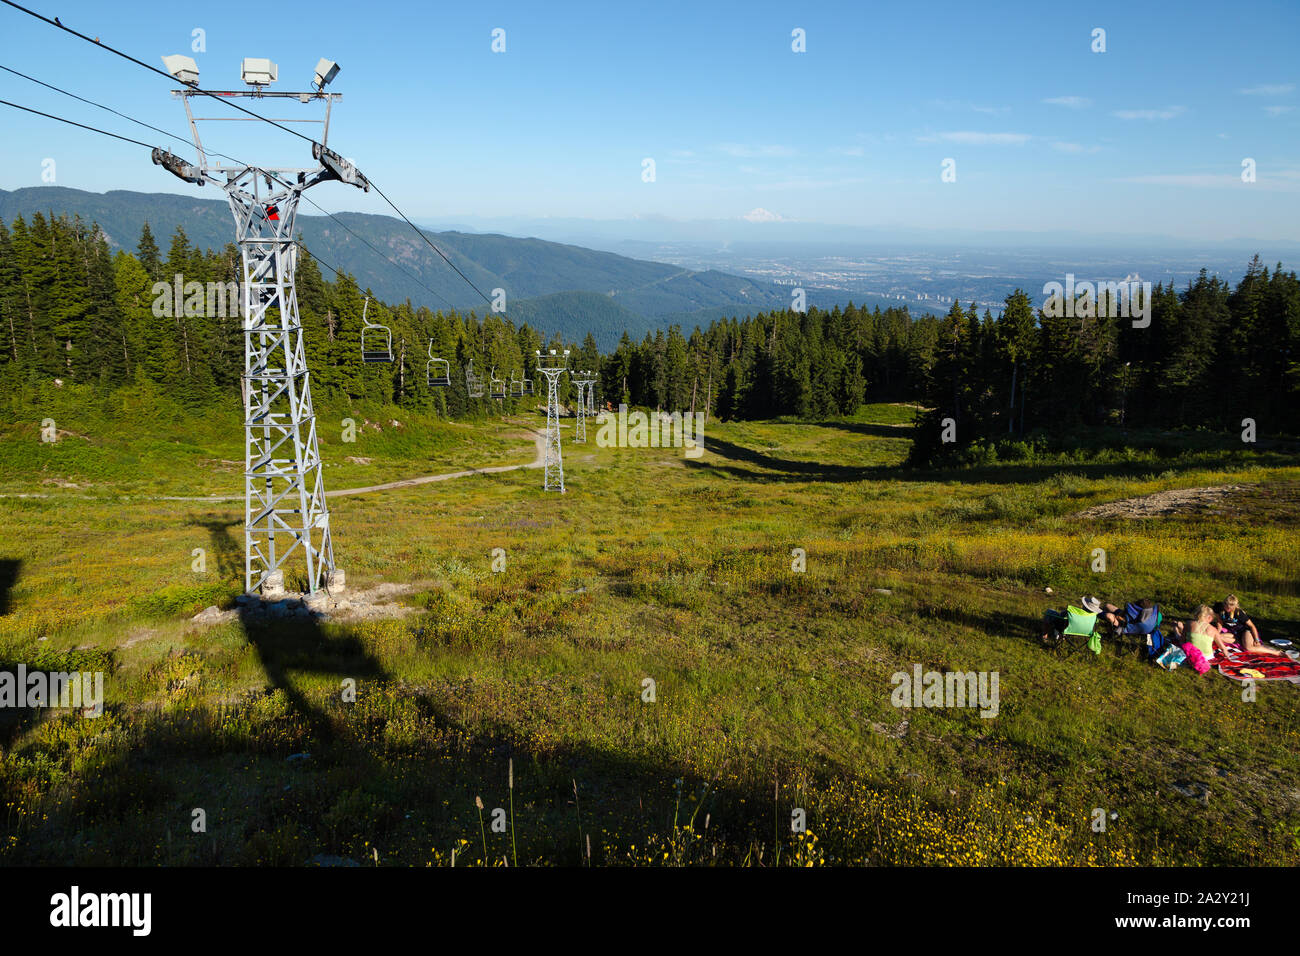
(1272, 666)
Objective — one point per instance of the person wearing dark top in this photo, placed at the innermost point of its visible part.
(1229, 616)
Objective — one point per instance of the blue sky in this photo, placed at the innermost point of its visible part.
(1148, 137)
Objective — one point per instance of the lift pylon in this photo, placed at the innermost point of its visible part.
(553, 366)
(285, 511)
(583, 380)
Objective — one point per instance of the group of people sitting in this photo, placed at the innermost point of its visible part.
(1224, 627)
(1211, 629)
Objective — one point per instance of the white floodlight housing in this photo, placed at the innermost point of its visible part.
(182, 68)
(326, 70)
(258, 71)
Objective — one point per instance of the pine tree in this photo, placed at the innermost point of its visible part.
(149, 256)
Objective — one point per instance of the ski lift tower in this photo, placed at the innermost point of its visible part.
(584, 382)
(553, 365)
(284, 491)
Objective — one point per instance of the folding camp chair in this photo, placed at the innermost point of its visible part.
(1140, 631)
(1073, 629)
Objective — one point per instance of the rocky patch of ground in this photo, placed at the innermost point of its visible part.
(1176, 501)
(344, 606)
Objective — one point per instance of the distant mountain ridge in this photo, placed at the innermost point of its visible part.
(553, 286)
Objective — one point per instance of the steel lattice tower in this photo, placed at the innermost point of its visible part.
(553, 366)
(583, 380)
(285, 510)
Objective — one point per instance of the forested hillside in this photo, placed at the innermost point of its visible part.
(75, 313)
(616, 292)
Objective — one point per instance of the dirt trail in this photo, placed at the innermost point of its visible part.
(539, 442)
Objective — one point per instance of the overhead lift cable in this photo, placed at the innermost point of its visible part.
(50, 86)
(93, 129)
(55, 22)
(233, 159)
(153, 69)
(104, 132)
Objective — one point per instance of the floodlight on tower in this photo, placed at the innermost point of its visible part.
(182, 68)
(258, 71)
(326, 70)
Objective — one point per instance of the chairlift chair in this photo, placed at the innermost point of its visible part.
(516, 386)
(496, 386)
(438, 371)
(376, 339)
(528, 386)
(473, 384)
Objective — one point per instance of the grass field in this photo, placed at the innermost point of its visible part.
(525, 688)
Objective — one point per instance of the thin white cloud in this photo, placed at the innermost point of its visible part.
(973, 138)
(973, 107)
(1269, 89)
(748, 151)
(1275, 181)
(848, 151)
(1075, 147)
(760, 214)
(1169, 112)
(1199, 180)
(809, 183)
(1073, 102)
(1277, 110)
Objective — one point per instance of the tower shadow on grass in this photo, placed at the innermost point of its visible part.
(13, 720)
(229, 554)
(17, 718)
(292, 641)
(775, 469)
(10, 569)
(133, 803)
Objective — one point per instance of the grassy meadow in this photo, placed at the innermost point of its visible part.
(524, 689)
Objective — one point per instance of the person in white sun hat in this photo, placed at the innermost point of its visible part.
(1054, 621)
(1107, 612)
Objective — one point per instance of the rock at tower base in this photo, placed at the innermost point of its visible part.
(273, 585)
